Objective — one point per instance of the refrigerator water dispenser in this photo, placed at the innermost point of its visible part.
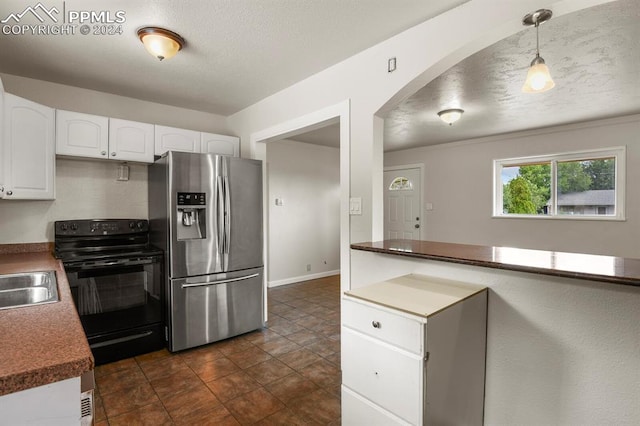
(191, 217)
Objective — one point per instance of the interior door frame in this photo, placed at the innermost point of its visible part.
(420, 167)
(336, 113)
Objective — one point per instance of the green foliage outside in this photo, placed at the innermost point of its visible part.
(530, 191)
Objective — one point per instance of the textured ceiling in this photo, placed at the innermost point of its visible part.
(241, 51)
(237, 53)
(594, 58)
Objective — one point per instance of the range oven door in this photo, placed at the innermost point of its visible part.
(119, 304)
(209, 308)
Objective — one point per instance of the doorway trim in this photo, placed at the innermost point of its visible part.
(420, 167)
(339, 112)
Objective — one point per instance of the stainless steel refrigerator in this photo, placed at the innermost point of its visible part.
(205, 212)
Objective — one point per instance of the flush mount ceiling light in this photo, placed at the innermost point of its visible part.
(538, 78)
(161, 43)
(450, 116)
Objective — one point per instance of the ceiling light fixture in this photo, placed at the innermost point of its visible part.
(538, 78)
(450, 116)
(161, 43)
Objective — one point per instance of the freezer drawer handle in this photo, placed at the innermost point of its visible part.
(230, 280)
(121, 339)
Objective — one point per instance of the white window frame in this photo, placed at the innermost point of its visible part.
(619, 153)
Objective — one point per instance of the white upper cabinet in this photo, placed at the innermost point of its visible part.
(94, 136)
(220, 144)
(27, 145)
(82, 135)
(131, 140)
(174, 139)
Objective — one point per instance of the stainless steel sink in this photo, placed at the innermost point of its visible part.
(27, 289)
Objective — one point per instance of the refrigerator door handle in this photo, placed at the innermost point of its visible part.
(220, 208)
(227, 215)
(230, 280)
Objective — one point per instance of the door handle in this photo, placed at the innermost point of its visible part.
(230, 280)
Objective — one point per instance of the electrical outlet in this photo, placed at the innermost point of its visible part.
(308, 267)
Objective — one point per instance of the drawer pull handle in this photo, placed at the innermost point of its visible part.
(376, 324)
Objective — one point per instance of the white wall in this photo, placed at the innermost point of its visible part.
(87, 189)
(306, 228)
(84, 190)
(560, 351)
(459, 183)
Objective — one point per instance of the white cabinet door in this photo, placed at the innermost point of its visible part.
(28, 150)
(220, 144)
(386, 375)
(357, 410)
(82, 135)
(174, 139)
(130, 141)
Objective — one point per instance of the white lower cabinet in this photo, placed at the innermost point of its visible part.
(413, 353)
(27, 146)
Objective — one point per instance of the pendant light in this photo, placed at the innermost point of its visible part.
(159, 42)
(450, 116)
(538, 78)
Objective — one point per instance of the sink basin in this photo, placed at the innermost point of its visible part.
(27, 289)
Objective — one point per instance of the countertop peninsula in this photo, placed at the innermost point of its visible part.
(41, 344)
(605, 269)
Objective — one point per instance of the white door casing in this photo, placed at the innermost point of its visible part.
(402, 205)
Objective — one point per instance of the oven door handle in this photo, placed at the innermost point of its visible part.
(230, 280)
(121, 339)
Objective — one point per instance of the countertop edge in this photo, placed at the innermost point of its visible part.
(609, 279)
(20, 371)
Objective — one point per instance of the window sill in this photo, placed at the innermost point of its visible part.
(563, 217)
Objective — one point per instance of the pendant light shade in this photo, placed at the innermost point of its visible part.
(450, 116)
(159, 42)
(538, 77)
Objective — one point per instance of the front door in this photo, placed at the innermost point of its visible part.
(402, 219)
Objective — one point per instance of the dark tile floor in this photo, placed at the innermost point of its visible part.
(286, 374)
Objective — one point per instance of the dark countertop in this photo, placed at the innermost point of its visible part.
(607, 269)
(40, 344)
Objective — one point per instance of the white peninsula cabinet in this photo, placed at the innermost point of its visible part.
(94, 136)
(175, 139)
(413, 353)
(27, 144)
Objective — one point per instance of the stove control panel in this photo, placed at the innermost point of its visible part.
(89, 227)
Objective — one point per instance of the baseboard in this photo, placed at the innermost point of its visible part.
(292, 280)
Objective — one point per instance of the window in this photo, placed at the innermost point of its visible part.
(579, 185)
(401, 184)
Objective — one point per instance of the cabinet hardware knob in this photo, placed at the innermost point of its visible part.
(103, 153)
(9, 192)
(416, 226)
(113, 154)
(376, 324)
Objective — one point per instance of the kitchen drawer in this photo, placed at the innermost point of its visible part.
(396, 329)
(357, 410)
(383, 374)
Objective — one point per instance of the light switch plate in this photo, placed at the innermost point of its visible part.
(355, 206)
